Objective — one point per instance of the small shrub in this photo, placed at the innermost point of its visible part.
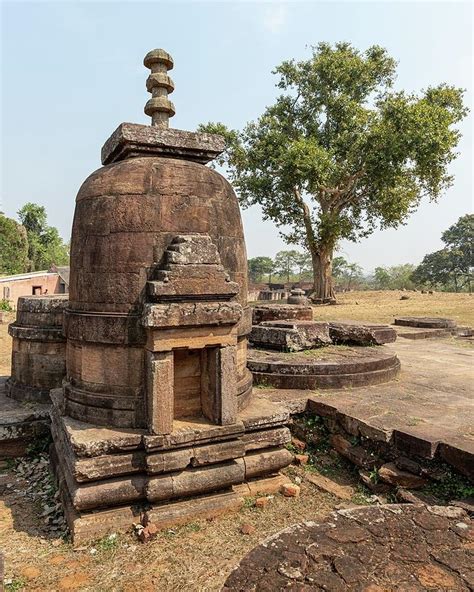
(5, 305)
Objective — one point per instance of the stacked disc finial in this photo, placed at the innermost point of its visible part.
(159, 84)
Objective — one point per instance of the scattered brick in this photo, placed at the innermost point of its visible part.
(261, 502)
(148, 533)
(247, 528)
(344, 492)
(290, 490)
(301, 459)
(298, 444)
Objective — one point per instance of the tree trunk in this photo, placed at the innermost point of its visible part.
(323, 290)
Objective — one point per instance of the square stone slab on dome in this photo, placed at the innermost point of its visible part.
(131, 140)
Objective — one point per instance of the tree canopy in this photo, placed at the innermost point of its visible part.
(13, 246)
(260, 266)
(451, 267)
(341, 153)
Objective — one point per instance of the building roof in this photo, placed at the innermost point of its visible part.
(63, 273)
(26, 276)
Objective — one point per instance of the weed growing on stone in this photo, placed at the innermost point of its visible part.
(362, 496)
(450, 486)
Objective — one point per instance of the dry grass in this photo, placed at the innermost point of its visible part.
(5, 350)
(195, 557)
(383, 306)
(199, 556)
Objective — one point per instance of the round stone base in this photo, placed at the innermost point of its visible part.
(329, 367)
(25, 392)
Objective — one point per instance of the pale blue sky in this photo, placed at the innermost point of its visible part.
(72, 71)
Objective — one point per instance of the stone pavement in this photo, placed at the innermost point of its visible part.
(365, 549)
(427, 411)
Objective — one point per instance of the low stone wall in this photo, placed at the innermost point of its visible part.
(38, 348)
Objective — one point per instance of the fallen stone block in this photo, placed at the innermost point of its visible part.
(391, 474)
(356, 454)
(351, 332)
(290, 490)
(301, 459)
(290, 335)
(425, 322)
(344, 492)
(275, 312)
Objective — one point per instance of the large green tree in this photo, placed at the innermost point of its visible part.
(260, 266)
(45, 245)
(341, 153)
(285, 262)
(453, 266)
(13, 246)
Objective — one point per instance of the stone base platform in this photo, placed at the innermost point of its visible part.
(92, 525)
(126, 474)
(331, 367)
(390, 547)
(425, 322)
(416, 333)
(20, 424)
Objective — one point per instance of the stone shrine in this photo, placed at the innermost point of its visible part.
(155, 420)
(38, 348)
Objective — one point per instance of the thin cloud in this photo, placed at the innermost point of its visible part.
(274, 17)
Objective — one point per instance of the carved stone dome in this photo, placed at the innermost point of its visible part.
(127, 214)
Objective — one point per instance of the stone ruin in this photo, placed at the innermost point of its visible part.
(293, 352)
(38, 348)
(155, 420)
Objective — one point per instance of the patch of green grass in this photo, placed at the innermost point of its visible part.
(450, 487)
(263, 385)
(362, 495)
(249, 502)
(107, 544)
(15, 585)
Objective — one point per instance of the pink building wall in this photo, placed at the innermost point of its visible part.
(28, 284)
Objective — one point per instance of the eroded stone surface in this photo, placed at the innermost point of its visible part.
(425, 322)
(277, 312)
(290, 335)
(352, 332)
(371, 549)
(330, 367)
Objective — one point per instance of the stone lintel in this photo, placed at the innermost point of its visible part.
(191, 337)
(191, 314)
(131, 140)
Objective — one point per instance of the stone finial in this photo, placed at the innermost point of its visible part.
(159, 84)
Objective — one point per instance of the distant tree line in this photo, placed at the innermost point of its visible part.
(30, 244)
(450, 269)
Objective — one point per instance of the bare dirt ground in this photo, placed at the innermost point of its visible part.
(199, 556)
(5, 350)
(383, 306)
(195, 557)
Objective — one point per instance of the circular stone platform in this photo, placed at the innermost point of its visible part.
(366, 549)
(328, 367)
(425, 322)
